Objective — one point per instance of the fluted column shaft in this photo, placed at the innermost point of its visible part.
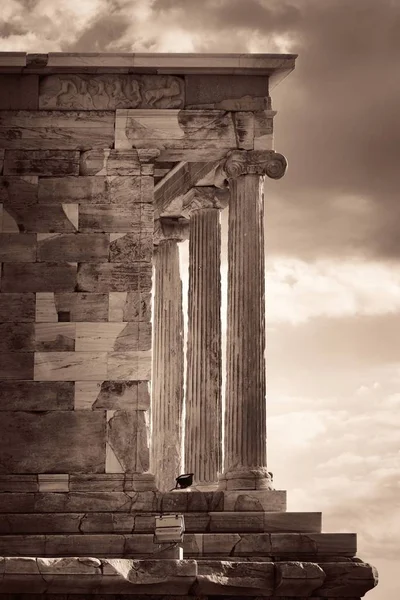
(245, 399)
(167, 376)
(203, 451)
(245, 413)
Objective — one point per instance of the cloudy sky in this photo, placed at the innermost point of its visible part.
(333, 233)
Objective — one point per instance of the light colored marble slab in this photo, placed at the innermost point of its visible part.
(50, 482)
(55, 337)
(83, 130)
(86, 393)
(174, 129)
(99, 337)
(129, 306)
(132, 366)
(70, 366)
(46, 311)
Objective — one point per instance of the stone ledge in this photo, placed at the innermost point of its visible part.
(144, 501)
(282, 546)
(195, 522)
(185, 577)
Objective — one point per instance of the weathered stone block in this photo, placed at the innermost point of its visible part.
(110, 91)
(347, 579)
(91, 190)
(15, 483)
(16, 337)
(299, 578)
(224, 91)
(74, 306)
(183, 129)
(53, 442)
(130, 306)
(110, 162)
(56, 129)
(25, 545)
(133, 366)
(70, 366)
(53, 482)
(19, 190)
(110, 218)
(297, 544)
(235, 578)
(19, 92)
(15, 247)
(40, 162)
(41, 218)
(107, 482)
(114, 277)
(38, 277)
(54, 337)
(112, 395)
(127, 435)
(36, 395)
(16, 365)
(79, 247)
(17, 307)
(111, 337)
(131, 247)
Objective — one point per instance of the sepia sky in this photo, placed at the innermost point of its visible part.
(332, 224)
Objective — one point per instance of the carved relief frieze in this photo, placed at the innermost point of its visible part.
(110, 91)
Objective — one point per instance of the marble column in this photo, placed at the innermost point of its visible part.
(168, 359)
(203, 450)
(245, 404)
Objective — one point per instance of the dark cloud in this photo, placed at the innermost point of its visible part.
(103, 32)
(337, 119)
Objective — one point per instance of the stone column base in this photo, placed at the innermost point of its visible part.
(246, 478)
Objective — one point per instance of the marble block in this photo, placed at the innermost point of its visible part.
(17, 337)
(17, 307)
(129, 306)
(19, 92)
(132, 366)
(55, 337)
(49, 129)
(114, 277)
(36, 395)
(74, 247)
(41, 162)
(15, 247)
(52, 442)
(75, 306)
(70, 366)
(90, 190)
(40, 218)
(38, 277)
(127, 435)
(112, 395)
(19, 190)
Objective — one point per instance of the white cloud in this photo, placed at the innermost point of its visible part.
(297, 291)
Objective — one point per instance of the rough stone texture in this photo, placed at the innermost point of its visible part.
(108, 277)
(167, 376)
(38, 277)
(91, 191)
(111, 91)
(19, 92)
(52, 442)
(16, 365)
(79, 247)
(17, 337)
(231, 91)
(112, 395)
(118, 219)
(304, 578)
(19, 190)
(17, 248)
(127, 435)
(51, 129)
(17, 307)
(41, 162)
(76, 306)
(131, 247)
(36, 395)
(129, 306)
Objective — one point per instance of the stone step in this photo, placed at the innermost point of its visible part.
(199, 522)
(182, 578)
(277, 545)
(144, 501)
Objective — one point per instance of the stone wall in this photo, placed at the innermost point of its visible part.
(76, 242)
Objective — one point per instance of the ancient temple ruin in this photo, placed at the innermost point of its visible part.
(107, 162)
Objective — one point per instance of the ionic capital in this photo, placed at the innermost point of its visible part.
(198, 198)
(254, 162)
(167, 228)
